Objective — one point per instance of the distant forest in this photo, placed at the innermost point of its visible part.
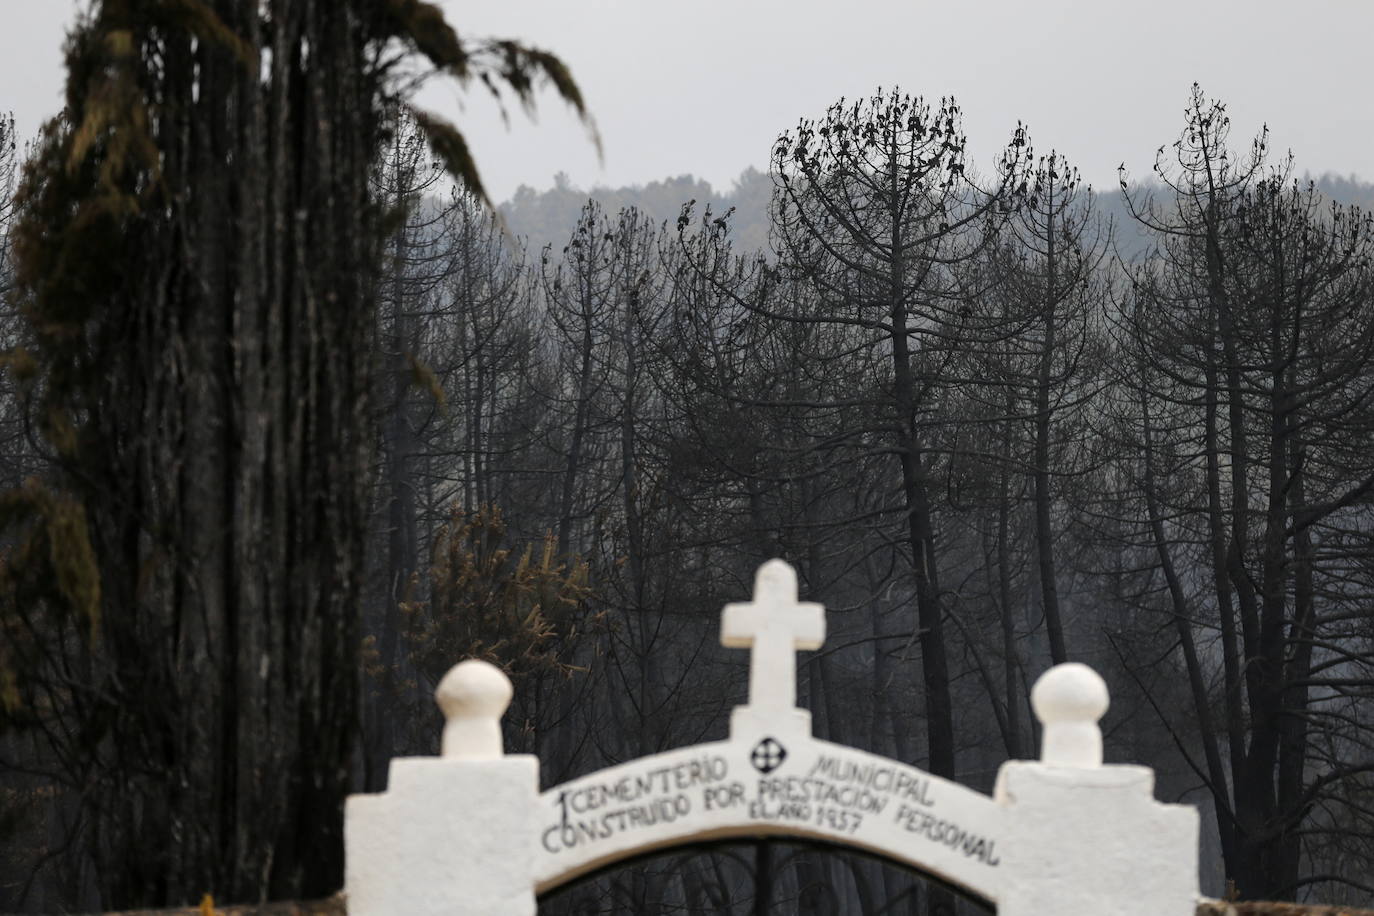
(547, 217)
(273, 462)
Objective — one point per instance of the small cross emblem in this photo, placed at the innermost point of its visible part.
(773, 627)
(767, 756)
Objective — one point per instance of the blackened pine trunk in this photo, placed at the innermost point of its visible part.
(1221, 578)
(1011, 656)
(921, 535)
(1267, 840)
(1216, 771)
(920, 527)
(1044, 529)
(581, 419)
(211, 352)
(1292, 782)
(398, 470)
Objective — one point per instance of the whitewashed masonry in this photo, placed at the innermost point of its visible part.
(470, 834)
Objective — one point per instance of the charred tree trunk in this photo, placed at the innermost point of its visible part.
(209, 363)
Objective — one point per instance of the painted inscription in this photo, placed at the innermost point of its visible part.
(836, 793)
(590, 811)
(809, 789)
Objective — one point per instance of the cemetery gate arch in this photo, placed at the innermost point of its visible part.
(469, 833)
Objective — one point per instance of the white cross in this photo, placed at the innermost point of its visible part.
(773, 627)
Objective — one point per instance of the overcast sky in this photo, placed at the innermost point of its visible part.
(705, 86)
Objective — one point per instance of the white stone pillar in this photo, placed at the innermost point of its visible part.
(1083, 839)
(451, 835)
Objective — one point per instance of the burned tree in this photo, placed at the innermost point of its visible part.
(198, 250)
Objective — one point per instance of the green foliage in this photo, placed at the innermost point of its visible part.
(495, 63)
(94, 173)
(450, 145)
(517, 607)
(519, 66)
(49, 578)
(423, 379)
(424, 25)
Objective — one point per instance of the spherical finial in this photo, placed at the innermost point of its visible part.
(1071, 692)
(474, 695)
(1069, 700)
(474, 688)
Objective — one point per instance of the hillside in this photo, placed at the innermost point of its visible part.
(547, 217)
